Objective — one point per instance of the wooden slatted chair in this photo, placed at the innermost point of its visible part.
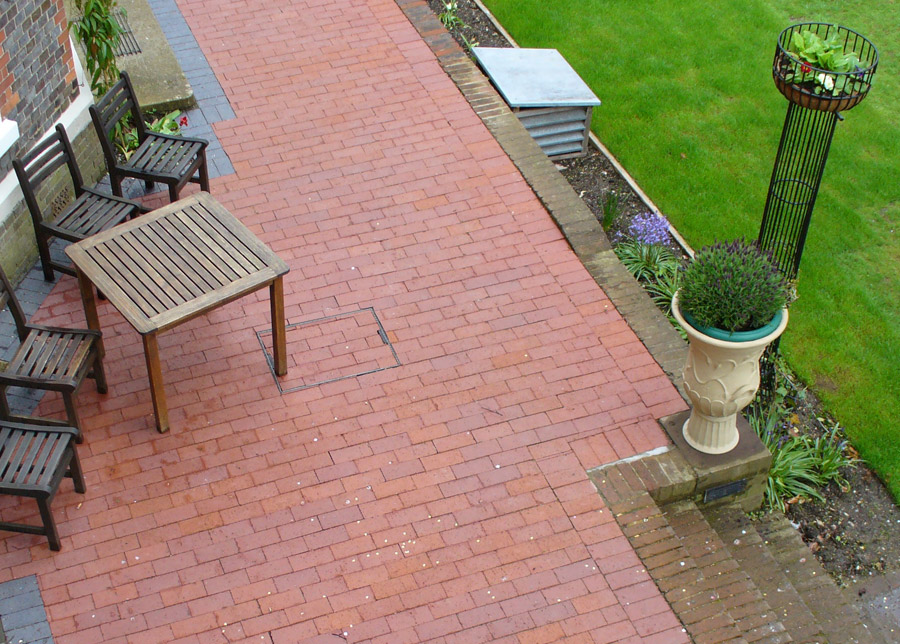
(50, 359)
(33, 462)
(172, 160)
(90, 213)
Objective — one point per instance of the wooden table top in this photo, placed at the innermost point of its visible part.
(175, 263)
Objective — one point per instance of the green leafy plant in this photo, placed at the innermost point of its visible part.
(831, 455)
(734, 286)
(610, 210)
(801, 466)
(126, 135)
(646, 262)
(450, 16)
(793, 474)
(818, 56)
(794, 471)
(468, 44)
(662, 290)
(98, 32)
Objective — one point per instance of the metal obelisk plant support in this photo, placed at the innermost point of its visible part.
(816, 97)
(818, 88)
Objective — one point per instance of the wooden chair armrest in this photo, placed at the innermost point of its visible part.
(60, 329)
(27, 382)
(62, 233)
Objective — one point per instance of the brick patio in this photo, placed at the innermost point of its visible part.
(442, 500)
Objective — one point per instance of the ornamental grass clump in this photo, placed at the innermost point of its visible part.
(733, 286)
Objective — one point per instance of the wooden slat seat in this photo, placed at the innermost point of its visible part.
(33, 462)
(51, 359)
(172, 160)
(91, 212)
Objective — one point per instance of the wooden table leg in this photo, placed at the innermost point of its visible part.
(279, 341)
(90, 306)
(157, 391)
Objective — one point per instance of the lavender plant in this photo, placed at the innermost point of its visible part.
(649, 228)
(733, 286)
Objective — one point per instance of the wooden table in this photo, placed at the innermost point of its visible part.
(174, 264)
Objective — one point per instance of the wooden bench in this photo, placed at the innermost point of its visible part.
(33, 462)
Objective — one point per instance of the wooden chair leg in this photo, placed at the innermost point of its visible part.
(148, 185)
(4, 405)
(100, 374)
(204, 172)
(72, 414)
(115, 182)
(76, 472)
(49, 523)
(173, 192)
(44, 252)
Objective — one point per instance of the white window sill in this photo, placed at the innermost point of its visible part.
(9, 134)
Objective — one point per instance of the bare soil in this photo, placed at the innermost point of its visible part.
(855, 533)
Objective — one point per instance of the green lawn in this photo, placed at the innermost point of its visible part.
(689, 107)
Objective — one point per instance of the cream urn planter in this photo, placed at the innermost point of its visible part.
(721, 377)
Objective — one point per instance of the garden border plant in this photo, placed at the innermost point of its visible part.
(98, 32)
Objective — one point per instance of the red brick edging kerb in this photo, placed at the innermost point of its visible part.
(575, 220)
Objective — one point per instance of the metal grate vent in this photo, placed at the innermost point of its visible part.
(128, 44)
(61, 202)
(559, 131)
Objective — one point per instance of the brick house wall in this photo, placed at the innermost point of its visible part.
(38, 83)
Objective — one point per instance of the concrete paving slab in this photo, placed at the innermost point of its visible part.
(159, 82)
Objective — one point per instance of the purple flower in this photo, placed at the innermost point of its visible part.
(649, 228)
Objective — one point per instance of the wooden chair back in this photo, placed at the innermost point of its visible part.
(117, 104)
(8, 298)
(42, 162)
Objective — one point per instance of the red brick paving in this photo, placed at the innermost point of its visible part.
(442, 501)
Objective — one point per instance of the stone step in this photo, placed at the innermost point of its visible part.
(812, 608)
(727, 591)
(728, 578)
(716, 602)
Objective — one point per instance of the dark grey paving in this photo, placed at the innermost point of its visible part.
(22, 610)
(212, 103)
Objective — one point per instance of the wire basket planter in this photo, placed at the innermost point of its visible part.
(807, 84)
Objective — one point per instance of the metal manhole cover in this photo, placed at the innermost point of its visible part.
(346, 345)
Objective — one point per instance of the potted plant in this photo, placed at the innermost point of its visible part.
(824, 67)
(732, 303)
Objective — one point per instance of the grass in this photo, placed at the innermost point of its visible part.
(689, 107)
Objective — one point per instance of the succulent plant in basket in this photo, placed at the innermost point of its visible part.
(822, 55)
(824, 67)
(732, 303)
